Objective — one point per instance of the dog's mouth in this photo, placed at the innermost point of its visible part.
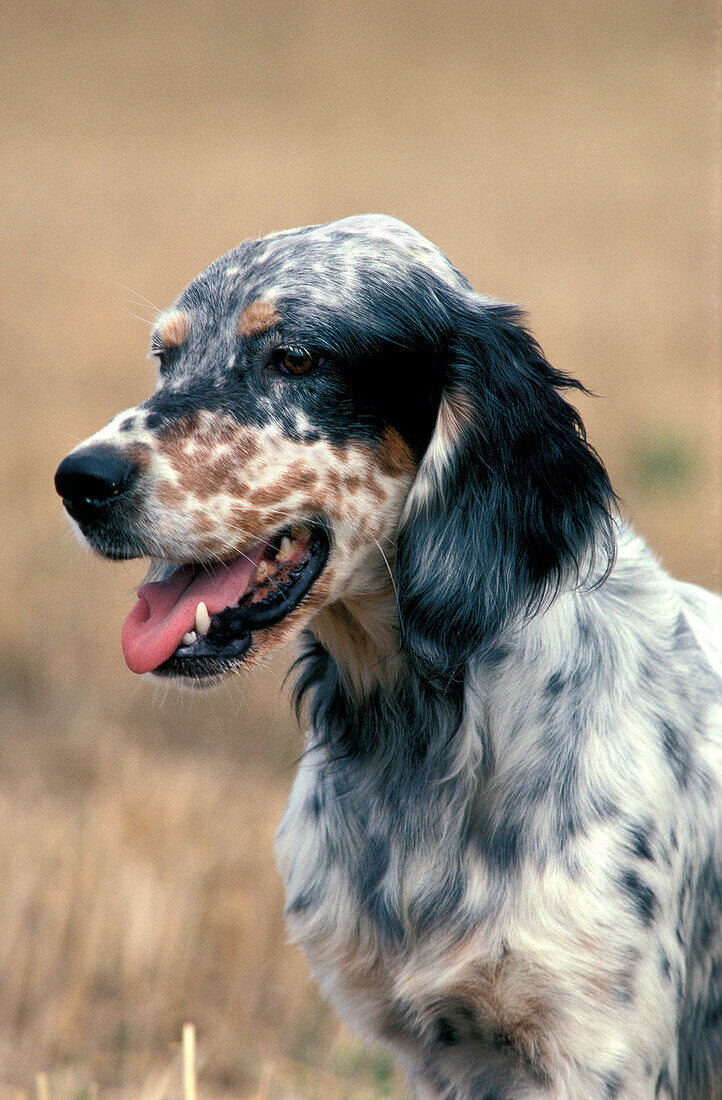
(198, 621)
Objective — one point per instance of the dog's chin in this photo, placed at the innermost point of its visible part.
(206, 669)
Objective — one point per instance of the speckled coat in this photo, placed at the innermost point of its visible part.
(530, 907)
(502, 849)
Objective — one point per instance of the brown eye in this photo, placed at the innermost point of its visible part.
(292, 360)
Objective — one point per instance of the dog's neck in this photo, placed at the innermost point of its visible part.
(361, 634)
(367, 697)
(361, 630)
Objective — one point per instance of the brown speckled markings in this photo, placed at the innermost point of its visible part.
(395, 456)
(173, 328)
(214, 461)
(141, 454)
(207, 455)
(504, 1000)
(278, 479)
(302, 478)
(213, 487)
(169, 495)
(257, 318)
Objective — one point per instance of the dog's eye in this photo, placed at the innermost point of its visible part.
(293, 360)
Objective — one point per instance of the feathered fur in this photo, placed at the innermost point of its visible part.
(502, 848)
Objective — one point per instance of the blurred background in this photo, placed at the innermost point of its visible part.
(565, 156)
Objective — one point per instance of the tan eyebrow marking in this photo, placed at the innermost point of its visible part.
(256, 318)
(173, 329)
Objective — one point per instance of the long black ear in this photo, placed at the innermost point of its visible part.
(510, 501)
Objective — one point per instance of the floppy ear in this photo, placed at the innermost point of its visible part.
(510, 501)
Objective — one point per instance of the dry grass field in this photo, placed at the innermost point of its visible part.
(565, 156)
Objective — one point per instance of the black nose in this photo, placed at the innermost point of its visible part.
(90, 479)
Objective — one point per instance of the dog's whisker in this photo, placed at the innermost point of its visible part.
(137, 317)
(142, 297)
(220, 561)
(390, 572)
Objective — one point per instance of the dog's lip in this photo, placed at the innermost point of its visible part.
(203, 615)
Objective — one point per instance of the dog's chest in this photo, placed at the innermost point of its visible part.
(418, 943)
(384, 923)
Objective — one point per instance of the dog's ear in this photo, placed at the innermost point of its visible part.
(510, 501)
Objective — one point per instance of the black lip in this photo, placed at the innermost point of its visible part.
(208, 661)
(230, 635)
(256, 616)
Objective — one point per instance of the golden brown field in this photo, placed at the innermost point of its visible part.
(565, 157)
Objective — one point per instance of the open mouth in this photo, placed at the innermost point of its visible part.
(198, 622)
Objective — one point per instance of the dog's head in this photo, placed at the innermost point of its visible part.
(335, 403)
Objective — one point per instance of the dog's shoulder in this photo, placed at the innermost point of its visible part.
(485, 911)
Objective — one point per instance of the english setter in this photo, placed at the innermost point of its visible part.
(502, 848)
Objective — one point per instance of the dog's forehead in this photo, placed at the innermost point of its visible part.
(335, 265)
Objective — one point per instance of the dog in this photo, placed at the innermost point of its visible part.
(502, 847)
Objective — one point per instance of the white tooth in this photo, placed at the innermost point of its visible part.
(286, 549)
(263, 569)
(190, 638)
(203, 619)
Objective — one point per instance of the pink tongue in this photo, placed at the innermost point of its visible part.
(166, 610)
